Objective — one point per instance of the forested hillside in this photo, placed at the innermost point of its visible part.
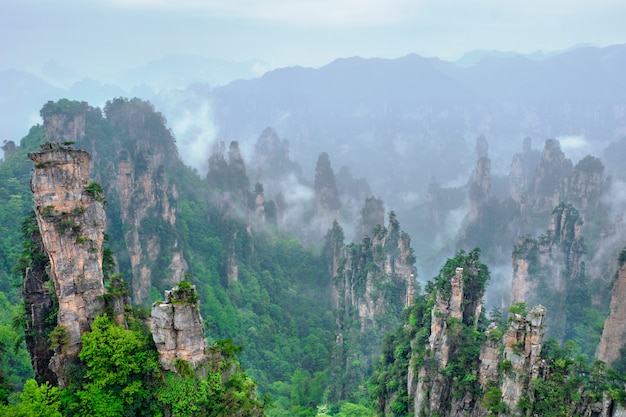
(274, 269)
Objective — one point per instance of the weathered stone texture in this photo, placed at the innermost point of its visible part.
(71, 222)
(178, 331)
(614, 334)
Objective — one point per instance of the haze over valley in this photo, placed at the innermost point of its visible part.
(383, 209)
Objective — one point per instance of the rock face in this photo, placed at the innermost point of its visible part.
(370, 287)
(132, 151)
(372, 214)
(522, 171)
(522, 353)
(178, 328)
(538, 184)
(614, 332)
(147, 198)
(64, 123)
(548, 270)
(432, 391)
(586, 184)
(457, 308)
(480, 186)
(518, 353)
(361, 284)
(71, 219)
(41, 304)
(327, 203)
(553, 170)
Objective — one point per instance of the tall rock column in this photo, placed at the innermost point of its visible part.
(71, 219)
(432, 387)
(522, 355)
(614, 332)
(550, 271)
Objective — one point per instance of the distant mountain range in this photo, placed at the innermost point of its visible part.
(397, 122)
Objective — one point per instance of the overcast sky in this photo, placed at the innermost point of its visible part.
(100, 36)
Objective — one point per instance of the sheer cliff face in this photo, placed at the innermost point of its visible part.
(457, 307)
(522, 170)
(41, 304)
(480, 186)
(71, 219)
(375, 275)
(549, 269)
(65, 127)
(146, 196)
(614, 334)
(517, 349)
(371, 281)
(432, 389)
(550, 178)
(586, 184)
(132, 151)
(540, 184)
(522, 350)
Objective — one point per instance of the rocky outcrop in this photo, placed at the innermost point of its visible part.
(372, 214)
(488, 372)
(586, 184)
(522, 171)
(539, 186)
(370, 290)
(64, 121)
(432, 390)
(333, 252)
(548, 270)
(327, 203)
(458, 306)
(41, 305)
(8, 148)
(228, 175)
(147, 197)
(506, 363)
(613, 337)
(480, 187)
(271, 162)
(71, 219)
(133, 152)
(384, 260)
(551, 177)
(232, 267)
(178, 328)
(522, 355)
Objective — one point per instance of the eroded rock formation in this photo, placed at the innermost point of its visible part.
(613, 338)
(522, 355)
(549, 269)
(370, 287)
(522, 171)
(553, 170)
(178, 328)
(147, 197)
(41, 305)
(71, 219)
(64, 121)
(132, 153)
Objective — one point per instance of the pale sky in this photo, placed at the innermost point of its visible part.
(100, 36)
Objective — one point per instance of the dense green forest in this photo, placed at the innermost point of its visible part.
(278, 309)
(266, 298)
